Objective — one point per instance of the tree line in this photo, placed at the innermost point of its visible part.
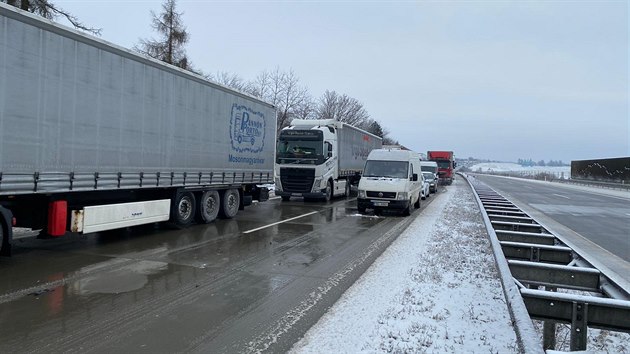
(530, 163)
(281, 88)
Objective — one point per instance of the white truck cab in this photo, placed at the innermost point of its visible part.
(320, 159)
(391, 179)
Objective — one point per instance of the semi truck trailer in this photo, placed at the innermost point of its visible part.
(320, 159)
(446, 164)
(95, 137)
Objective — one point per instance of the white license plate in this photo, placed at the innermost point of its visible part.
(379, 203)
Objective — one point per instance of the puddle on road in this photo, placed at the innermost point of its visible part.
(125, 279)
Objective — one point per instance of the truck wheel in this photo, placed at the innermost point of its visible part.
(328, 193)
(230, 202)
(286, 198)
(347, 189)
(183, 208)
(208, 206)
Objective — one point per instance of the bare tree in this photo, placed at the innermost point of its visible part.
(230, 80)
(342, 108)
(50, 11)
(283, 90)
(306, 109)
(170, 47)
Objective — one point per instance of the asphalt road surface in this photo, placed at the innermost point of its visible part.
(603, 220)
(253, 283)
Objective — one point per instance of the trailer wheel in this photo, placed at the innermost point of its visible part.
(183, 208)
(328, 193)
(6, 231)
(208, 206)
(230, 202)
(2, 240)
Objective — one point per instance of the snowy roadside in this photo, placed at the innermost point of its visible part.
(435, 289)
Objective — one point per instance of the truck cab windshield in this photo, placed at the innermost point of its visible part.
(389, 169)
(444, 163)
(300, 151)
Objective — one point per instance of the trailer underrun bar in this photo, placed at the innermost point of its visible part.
(549, 274)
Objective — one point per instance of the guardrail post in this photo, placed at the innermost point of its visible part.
(578, 326)
(549, 331)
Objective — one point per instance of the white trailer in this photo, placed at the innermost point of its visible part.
(320, 159)
(96, 137)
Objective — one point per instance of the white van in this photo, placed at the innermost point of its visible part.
(429, 166)
(391, 180)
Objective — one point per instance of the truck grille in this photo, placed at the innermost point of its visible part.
(297, 180)
(388, 195)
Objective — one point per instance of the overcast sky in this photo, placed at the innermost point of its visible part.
(490, 79)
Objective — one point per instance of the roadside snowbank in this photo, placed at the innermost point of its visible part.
(435, 289)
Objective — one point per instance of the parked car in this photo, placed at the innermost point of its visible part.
(426, 188)
(433, 181)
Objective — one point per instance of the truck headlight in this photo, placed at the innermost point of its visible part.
(316, 185)
(278, 184)
(361, 194)
(402, 196)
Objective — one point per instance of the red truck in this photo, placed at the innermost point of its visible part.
(445, 163)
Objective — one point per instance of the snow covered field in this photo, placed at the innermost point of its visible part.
(435, 289)
(505, 167)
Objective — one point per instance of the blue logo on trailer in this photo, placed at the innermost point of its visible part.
(247, 129)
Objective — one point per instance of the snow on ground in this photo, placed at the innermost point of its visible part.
(435, 290)
(503, 167)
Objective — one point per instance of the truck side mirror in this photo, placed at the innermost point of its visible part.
(414, 177)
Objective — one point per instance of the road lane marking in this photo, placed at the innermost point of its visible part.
(560, 195)
(279, 222)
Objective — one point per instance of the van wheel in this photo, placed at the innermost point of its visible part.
(230, 202)
(407, 210)
(417, 204)
(183, 208)
(208, 206)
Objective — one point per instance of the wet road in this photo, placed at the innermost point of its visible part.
(231, 286)
(596, 224)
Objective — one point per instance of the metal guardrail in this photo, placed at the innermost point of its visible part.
(541, 265)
